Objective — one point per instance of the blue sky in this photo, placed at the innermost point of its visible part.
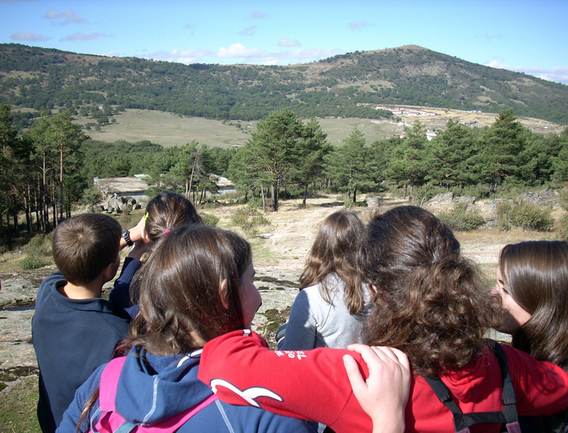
(527, 36)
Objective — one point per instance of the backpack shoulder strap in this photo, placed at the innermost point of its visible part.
(110, 377)
(509, 397)
(462, 421)
(105, 417)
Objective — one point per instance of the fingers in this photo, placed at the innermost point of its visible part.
(384, 393)
(138, 233)
(356, 379)
(382, 352)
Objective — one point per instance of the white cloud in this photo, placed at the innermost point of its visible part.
(249, 31)
(181, 56)
(360, 25)
(27, 36)
(74, 19)
(239, 50)
(84, 37)
(55, 14)
(69, 15)
(111, 54)
(258, 15)
(257, 56)
(558, 74)
(288, 43)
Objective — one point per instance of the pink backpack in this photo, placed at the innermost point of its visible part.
(111, 421)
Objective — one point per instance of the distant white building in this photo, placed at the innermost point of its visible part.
(124, 186)
(225, 185)
(136, 186)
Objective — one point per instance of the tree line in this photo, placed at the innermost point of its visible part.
(51, 166)
(285, 153)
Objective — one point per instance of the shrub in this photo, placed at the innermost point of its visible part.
(249, 219)
(92, 196)
(563, 228)
(209, 220)
(460, 219)
(33, 261)
(564, 199)
(37, 252)
(525, 216)
(129, 220)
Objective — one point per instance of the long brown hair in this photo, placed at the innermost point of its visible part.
(428, 300)
(335, 251)
(535, 274)
(178, 289)
(179, 292)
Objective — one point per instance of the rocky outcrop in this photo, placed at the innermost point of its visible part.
(545, 197)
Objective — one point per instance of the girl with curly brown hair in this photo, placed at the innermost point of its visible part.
(429, 303)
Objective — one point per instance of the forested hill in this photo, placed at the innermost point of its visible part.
(349, 85)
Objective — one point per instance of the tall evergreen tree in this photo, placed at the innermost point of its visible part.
(500, 149)
(349, 168)
(451, 152)
(409, 160)
(11, 171)
(275, 148)
(312, 149)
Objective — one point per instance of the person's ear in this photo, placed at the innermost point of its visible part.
(110, 271)
(223, 294)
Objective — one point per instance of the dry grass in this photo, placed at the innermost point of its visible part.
(172, 130)
(169, 129)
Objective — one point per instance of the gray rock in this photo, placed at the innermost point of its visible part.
(116, 203)
(467, 199)
(545, 197)
(492, 204)
(373, 202)
(447, 197)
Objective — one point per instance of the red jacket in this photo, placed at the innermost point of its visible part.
(313, 385)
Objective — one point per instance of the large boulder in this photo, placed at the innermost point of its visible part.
(115, 204)
(373, 202)
(447, 197)
(545, 197)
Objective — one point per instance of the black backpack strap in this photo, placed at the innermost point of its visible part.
(509, 397)
(462, 421)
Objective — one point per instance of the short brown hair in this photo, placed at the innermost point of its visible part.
(335, 251)
(167, 211)
(429, 301)
(535, 274)
(84, 245)
(178, 288)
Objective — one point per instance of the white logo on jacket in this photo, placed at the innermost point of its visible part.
(248, 394)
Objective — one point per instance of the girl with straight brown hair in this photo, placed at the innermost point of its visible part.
(330, 309)
(532, 281)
